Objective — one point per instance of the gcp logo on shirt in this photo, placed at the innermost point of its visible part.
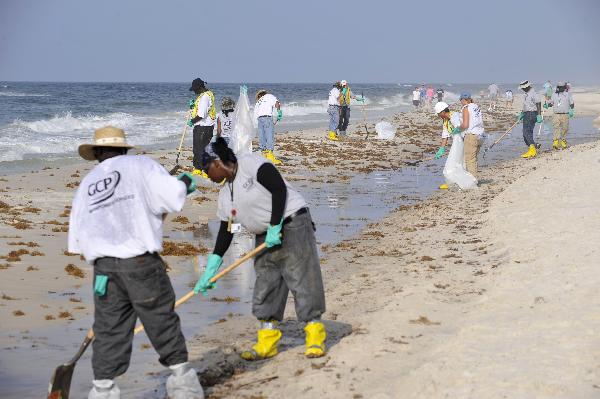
(103, 189)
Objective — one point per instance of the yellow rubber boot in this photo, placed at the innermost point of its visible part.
(315, 339)
(332, 136)
(265, 347)
(563, 144)
(271, 157)
(555, 145)
(265, 153)
(532, 152)
(443, 186)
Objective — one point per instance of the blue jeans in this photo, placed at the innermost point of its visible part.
(528, 125)
(266, 133)
(334, 117)
(344, 119)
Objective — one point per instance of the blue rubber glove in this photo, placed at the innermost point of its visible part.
(279, 115)
(440, 152)
(521, 116)
(190, 123)
(571, 113)
(244, 89)
(274, 235)
(456, 130)
(539, 119)
(191, 103)
(213, 262)
(192, 186)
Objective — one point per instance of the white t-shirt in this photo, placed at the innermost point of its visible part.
(509, 95)
(455, 121)
(416, 95)
(251, 200)
(204, 105)
(118, 207)
(475, 120)
(226, 123)
(334, 96)
(493, 88)
(264, 106)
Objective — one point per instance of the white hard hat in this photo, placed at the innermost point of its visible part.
(440, 106)
(343, 83)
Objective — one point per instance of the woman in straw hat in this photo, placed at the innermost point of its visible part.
(116, 224)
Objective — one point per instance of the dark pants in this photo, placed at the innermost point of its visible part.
(292, 266)
(528, 126)
(202, 136)
(137, 287)
(344, 119)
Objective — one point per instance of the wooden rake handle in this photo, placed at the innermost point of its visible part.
(505, 133)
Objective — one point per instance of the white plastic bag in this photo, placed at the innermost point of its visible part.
(385, 130)
(454, 170)
(243, 130)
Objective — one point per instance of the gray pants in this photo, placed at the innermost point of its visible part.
(334, 117)
(344, 119)
(137, 287)
(202, 136)
(293, 266)
(529, 120)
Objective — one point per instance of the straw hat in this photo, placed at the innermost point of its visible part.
(524, 84)
(107, 136)
(260, 93)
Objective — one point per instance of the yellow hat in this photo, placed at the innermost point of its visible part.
(107, 136)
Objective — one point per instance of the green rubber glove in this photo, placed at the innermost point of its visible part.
(279, 115)
(191, 103)
(571, 113)
(539, 119)
(456, 130)
(244, 89)
(190, 123)
(274, 235)
(213, 262)
(440, 152)
(545, 105)
(521, 116)
(192, 186)
(360, 99)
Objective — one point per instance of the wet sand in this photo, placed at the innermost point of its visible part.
(37, 290)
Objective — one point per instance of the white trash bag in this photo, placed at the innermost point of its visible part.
(243, 128)
(385, 130)
(454, 170)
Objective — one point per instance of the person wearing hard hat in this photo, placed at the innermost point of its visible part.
(531, 114)
(564, 108)
(257, 197)
(116, 223)
(202, 117)
(263, 114)
(472, 130)
(333, 109)
(225, 119)
(345, 98)
(451, 122)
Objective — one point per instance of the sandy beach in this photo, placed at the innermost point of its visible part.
(484, 293)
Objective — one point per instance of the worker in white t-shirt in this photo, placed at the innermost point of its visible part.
(333, 110)
(509, 97)
(116, 223)
(257, 197)
(225, 119)
(416, 97)
(266, 103)
(450, 127)
(203, 115)
(472, 128)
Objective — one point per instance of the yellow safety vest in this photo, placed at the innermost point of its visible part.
(448, 125)
(212, 111)
(345, 97)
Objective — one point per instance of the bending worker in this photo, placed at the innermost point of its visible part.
(258, 198)
(345, 98)
(116, 224)
(472, 130)
(531, 114)
(263, 113)
(333, 109)
(564, 108)
(451, 122)
(203, 115)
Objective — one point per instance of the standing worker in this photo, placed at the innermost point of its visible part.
(440, 94)
(531, 114)
(472, 128)
(345, 99)
(416, 98)
(493, 90)
(203, 115)
(333, 109)
(116, 224)
(225, 119)
(564, 108)
(451, 122)
(259, 199)
(263, 113)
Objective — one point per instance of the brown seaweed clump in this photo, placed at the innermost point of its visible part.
(171, 248)
(74, 271)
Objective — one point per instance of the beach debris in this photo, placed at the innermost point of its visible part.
(74, 271)
(18, 313)
(424, 321)
(227, 299)
(171, 248)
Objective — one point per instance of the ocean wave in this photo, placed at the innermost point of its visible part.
(19, 94)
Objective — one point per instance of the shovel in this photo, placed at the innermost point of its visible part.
(177, 166)
(60, 383)
(501, 137)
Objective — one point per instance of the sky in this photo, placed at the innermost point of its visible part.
(372, 41)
